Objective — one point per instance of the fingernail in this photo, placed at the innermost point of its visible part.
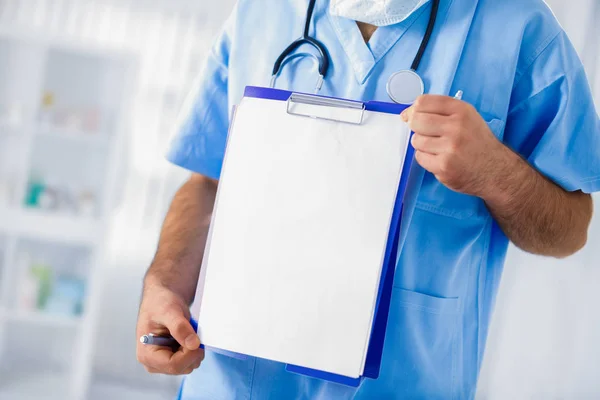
(192, 342)
(404, 116)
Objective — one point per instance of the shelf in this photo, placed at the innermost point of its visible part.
(63, 133)
(25, 384)
(65, 150)
(37, 224)
(42, 318)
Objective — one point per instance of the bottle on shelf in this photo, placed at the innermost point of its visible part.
(35, 189)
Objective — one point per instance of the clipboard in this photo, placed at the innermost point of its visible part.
(353, 114)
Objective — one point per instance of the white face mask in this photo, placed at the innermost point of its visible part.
(375, 12)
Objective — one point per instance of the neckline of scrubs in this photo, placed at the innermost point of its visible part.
(364, 56)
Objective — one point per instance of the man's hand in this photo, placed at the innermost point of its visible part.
(170, 283)
(454, 143)
(163, 312)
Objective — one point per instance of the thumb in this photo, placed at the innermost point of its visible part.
(180, 328)
(406, 114)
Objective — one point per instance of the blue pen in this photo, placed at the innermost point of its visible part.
(165, 341)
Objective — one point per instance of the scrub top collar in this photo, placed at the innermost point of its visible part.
(364, 56)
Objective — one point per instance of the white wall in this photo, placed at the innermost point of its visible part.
(544, 340)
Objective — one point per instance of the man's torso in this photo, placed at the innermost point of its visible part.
(453, 252)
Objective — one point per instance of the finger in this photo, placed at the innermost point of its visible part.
(155, 358)
(427, 161)
(427, 124)
(180, 328)
(406, 115)
(152, 370)
(428, 144)
(197, 364)
(184, 359)
(442, 105)
(165, 361)
(196, 360)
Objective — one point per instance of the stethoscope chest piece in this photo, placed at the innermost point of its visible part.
(404, 87)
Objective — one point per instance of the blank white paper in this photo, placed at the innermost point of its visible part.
(298, 238)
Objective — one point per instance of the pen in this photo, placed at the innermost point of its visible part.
(458, 95)
(165, 341)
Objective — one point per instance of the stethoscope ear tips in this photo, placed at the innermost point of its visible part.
(404, 87)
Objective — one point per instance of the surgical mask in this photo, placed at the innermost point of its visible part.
(375, 12)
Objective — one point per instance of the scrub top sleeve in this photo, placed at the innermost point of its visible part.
(199, 140)
(552, 120)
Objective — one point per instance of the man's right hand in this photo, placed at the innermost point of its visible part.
(169, 286)
(162, 313)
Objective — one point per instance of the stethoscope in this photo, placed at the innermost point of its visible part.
(403, 86)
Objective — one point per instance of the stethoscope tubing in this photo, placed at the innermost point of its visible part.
(323, 58)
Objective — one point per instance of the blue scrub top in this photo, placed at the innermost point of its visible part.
(515, 65)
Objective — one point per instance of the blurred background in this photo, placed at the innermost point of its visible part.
(89, 94)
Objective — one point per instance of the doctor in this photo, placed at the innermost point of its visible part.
(514, 160)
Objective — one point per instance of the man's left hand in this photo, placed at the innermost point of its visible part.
(454, 143)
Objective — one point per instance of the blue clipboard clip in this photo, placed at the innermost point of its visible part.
(310, 99)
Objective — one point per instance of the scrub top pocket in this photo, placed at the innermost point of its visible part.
(420, 348)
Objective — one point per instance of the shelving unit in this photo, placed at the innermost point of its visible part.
(50, 227)
(63, 115)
